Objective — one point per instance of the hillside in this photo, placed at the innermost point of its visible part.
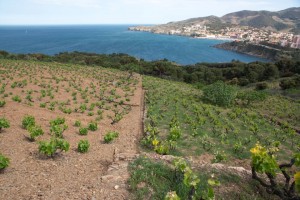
(215, 140)
(158, 121)
(287, 20)
(109, 99)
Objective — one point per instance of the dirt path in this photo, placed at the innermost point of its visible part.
(99, 174)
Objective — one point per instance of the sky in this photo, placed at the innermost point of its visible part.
(45, 12)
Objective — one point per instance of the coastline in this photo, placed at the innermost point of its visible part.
(136, 29)
(222, 46)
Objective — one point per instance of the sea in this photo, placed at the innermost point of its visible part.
(108, 39)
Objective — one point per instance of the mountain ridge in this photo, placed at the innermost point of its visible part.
(287, 20)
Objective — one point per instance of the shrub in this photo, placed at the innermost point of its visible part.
(290, 83)
(83, 146)
(172, 196)
(4, 162)
(4, 123)
(49, 148)
(17, 98)
(57, 121)
(43, 105)
(57, 130)
(261, 86)
(264, 161)
(162, 148)
(175, 133)
(219, 157)
(77, 123)
(2, 103)
(28, 121)
(90, 113)
(110, 136)
(93, 126)
(35, 131)
(83, 131)
(243, 81)
(251, 96)
(57, 127)
(220, 93)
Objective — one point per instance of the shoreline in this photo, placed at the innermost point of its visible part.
(182, 35)
(226, 40)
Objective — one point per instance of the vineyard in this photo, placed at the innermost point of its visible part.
(58, 119)
(63, 127)
(178, 110)
(181, 122)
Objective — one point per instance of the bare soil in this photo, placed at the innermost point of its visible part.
(69, 175)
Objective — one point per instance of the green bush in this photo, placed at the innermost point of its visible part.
(261, 86)
(28, 121)
(220, 93)
(290, 83)
(175, 133)
(43, 105)
(4, 162)
(57, 127)
(247, 97)
(93, 126)
(77, 123)
(17, 98)
(35, 131)
(57, 130)
(2, 103)
(57, 121)
(110, 136)
(4, 123)
(83, 131)
(49, 148)
(83, 146)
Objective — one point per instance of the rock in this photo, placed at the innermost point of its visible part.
(127, 156)
(217, 166)
(107, 178)
(117, 187)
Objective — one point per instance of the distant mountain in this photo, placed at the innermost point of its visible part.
(285, 20)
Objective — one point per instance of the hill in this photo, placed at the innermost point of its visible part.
(287, 20)
(157, 122)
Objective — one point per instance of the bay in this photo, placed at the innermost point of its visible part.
(107, 39)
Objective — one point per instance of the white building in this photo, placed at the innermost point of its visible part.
(296, 42)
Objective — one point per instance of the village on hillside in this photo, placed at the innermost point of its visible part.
(240, 33)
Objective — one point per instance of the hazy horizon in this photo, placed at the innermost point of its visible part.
(99, 12)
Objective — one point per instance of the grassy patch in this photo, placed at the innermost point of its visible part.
(153, 180)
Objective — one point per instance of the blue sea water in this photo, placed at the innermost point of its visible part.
(109, 39)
